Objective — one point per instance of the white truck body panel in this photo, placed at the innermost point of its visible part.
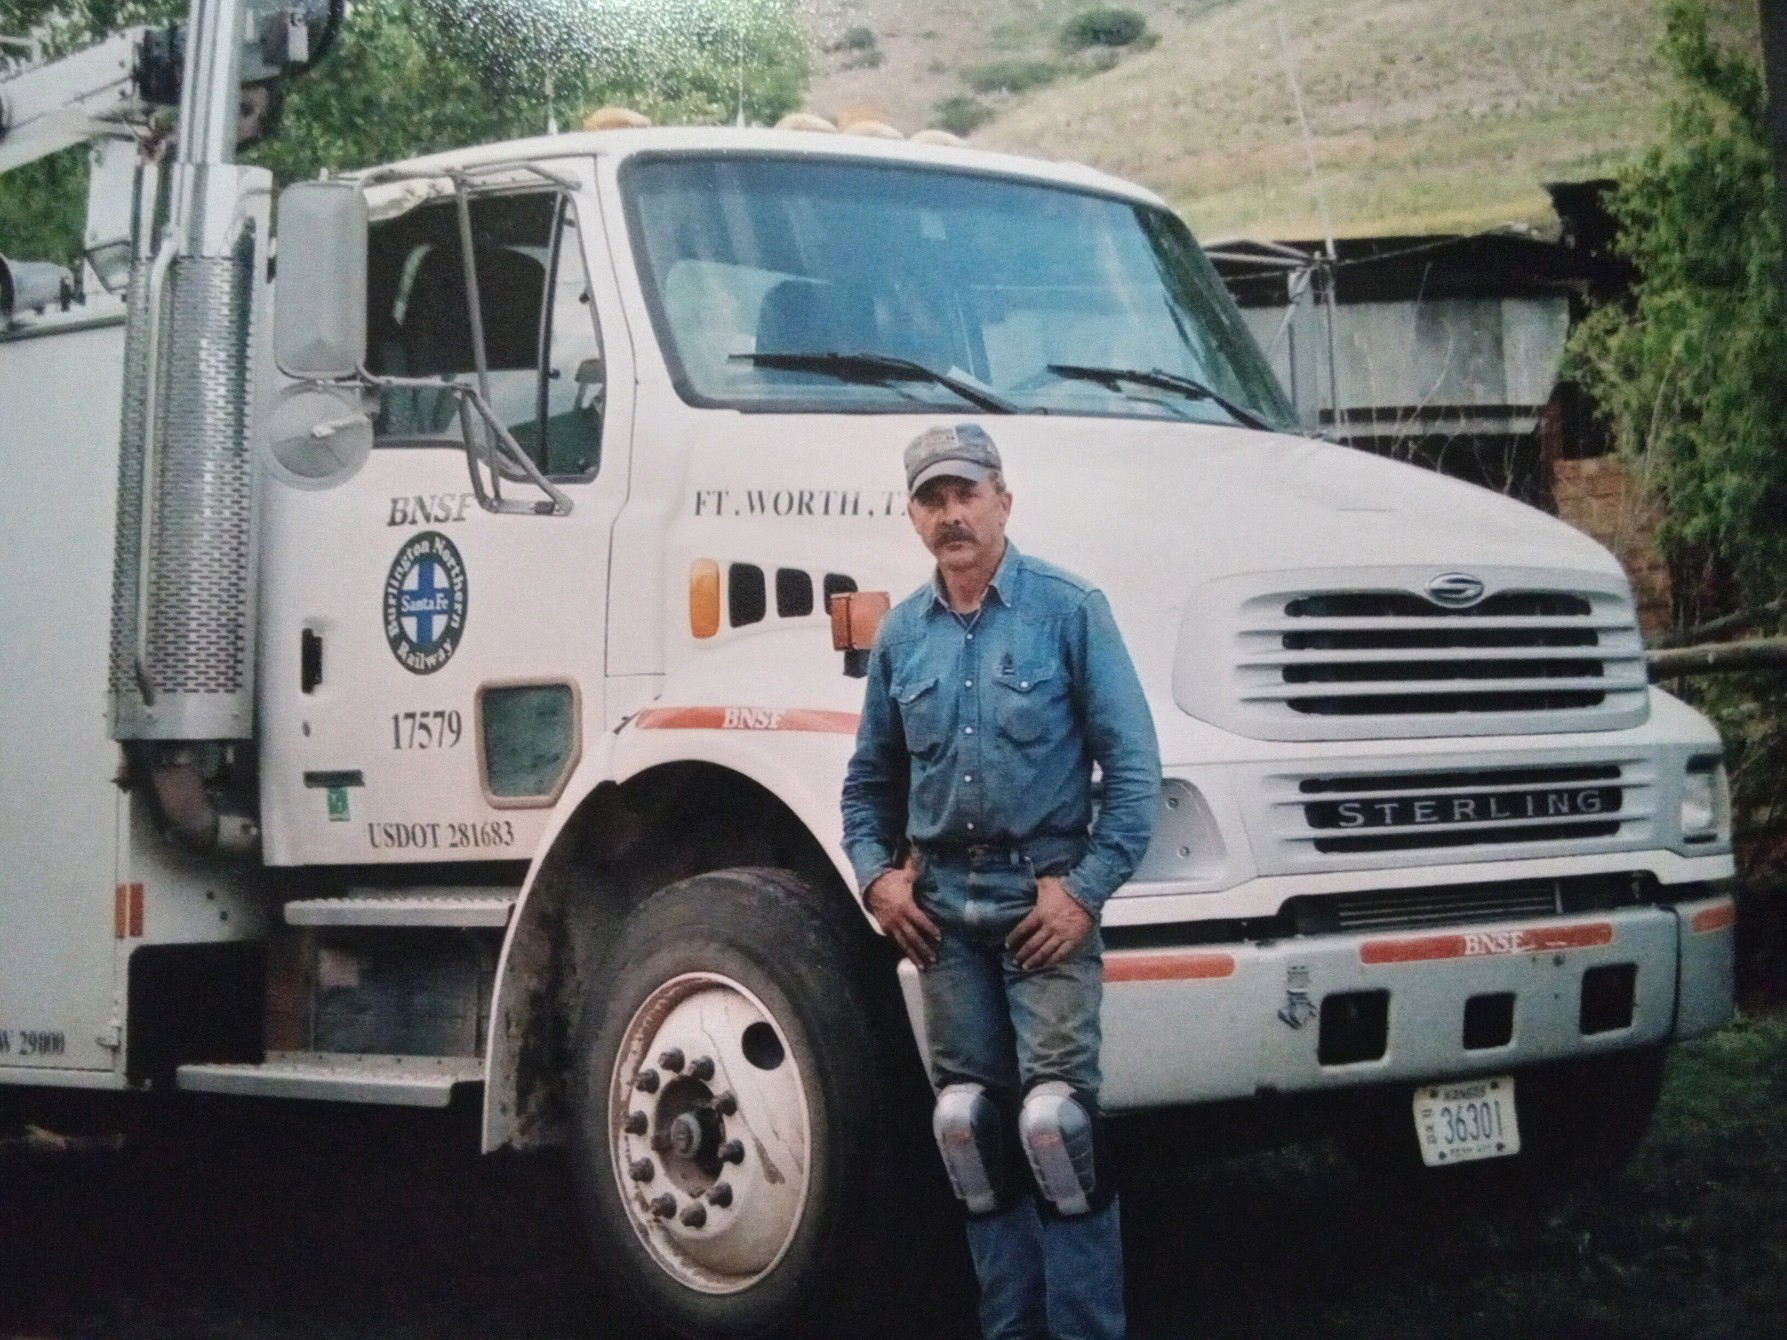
(59, 829)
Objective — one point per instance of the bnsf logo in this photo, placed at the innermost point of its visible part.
(751, 718)
(1477, 943)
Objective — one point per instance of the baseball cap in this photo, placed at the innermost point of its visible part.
(960, 451)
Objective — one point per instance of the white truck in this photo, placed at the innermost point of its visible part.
(420, 673)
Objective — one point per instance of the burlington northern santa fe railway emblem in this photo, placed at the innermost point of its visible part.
(425, 599)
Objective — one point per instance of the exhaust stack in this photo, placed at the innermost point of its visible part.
(182, 666)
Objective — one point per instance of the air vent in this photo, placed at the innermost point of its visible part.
(794, 593)
(747, 600)
(1446, 905)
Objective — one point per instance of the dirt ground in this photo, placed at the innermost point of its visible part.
(295, 1224)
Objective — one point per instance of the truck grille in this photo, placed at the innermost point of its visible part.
(1446, 661)
(1323, 663)
(1412, 908)
(1461, 810)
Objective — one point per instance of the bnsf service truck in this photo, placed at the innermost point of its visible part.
(420, 671)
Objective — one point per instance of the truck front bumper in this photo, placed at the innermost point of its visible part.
(1211, 1022)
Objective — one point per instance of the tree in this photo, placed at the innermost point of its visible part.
(415, 76)
(1691, 373)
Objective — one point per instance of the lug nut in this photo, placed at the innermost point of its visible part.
(726, 1104)
(642, 1170)
(703, 1069)
(732, 1152)
(720, 1195)
(672, 1059)
(663, 1206)
(647, 1081)
(695, 1216)
(637, 1123)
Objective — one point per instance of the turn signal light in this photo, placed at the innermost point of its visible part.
(704, 597)
(855, 617)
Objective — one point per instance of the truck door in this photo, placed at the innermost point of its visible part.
(430, 668)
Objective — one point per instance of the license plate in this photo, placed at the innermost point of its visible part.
(1465, 1120)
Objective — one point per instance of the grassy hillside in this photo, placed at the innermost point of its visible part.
(1424, 115)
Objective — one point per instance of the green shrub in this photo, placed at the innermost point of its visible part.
(858, 38)
(962, 115)
(1106, 26)
(1688, 371)
(1011, 76)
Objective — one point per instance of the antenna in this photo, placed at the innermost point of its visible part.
(1326, 272)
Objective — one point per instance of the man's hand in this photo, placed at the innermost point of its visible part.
(1052, 930)
(890, 901)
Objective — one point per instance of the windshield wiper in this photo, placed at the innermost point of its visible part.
(1161, 380)
(880, 368)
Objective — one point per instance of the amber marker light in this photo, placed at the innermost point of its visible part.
(704, 597)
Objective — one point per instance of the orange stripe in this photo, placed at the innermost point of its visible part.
(136, 911)
(1483, 944)
(120, 913)
(1715, 918)
(747, 718)
(1171, 967)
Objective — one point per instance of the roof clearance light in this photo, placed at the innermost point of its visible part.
(878, 130)
(806, 121)
(704, 597)
(616, 118)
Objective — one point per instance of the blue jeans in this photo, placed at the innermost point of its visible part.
(991, 1023)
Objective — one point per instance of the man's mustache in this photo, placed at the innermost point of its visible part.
(952, 533)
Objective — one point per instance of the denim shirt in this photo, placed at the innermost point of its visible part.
(983, 728)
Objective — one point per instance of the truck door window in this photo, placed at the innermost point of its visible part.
(541, 342)
(566, 432)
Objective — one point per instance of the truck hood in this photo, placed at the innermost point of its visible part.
(1122, 500)
(1205, 538)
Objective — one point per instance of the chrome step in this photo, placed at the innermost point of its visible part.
(339, 1077)
(450, 905)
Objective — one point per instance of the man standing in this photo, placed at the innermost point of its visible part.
(992, 690)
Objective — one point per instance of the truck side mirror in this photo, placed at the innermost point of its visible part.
(319, 331)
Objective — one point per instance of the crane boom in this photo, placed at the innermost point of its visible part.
(91, 94)
(110, 89)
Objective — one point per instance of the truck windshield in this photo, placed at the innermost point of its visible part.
(993, 281)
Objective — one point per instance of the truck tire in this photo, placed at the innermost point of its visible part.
(729, 1109)
(1581, 1121)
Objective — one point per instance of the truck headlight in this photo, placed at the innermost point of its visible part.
(1704, 800)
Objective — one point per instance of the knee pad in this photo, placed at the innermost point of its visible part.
(970, 1134)
(1058, 1129)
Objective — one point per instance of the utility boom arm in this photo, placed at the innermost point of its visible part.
(92, 94)
(110, 89)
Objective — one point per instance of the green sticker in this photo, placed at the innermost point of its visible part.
(338, 805)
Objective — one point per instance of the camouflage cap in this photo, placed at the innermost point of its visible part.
(961, 451)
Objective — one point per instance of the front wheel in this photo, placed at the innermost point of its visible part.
(729, 1108)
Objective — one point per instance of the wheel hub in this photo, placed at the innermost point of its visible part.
(710, 1133)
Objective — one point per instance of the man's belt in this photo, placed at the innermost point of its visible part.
(1042, 851)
